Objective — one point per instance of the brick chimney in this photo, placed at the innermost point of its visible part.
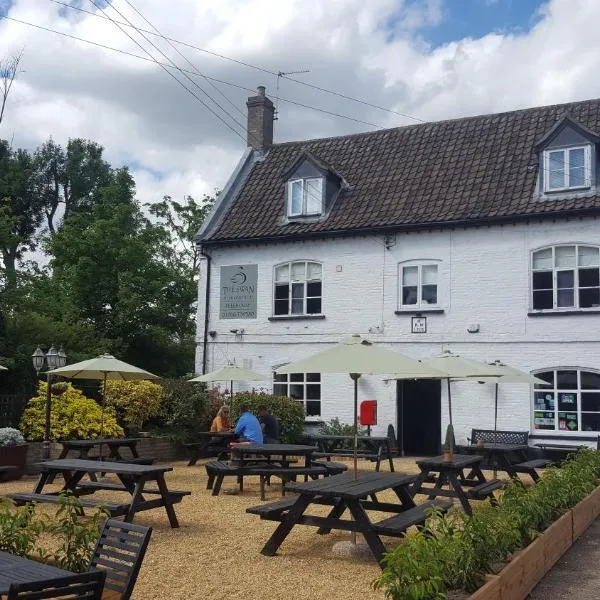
(260, 120)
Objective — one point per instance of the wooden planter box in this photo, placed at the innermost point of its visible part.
(585, 512)
(527, 568)
(15, 456)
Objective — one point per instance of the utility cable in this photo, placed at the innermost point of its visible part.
(256, 67)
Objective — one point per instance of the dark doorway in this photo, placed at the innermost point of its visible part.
(419, 417)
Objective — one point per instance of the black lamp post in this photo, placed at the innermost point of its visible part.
(52, 359)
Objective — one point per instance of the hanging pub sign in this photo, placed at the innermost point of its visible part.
(238, 292)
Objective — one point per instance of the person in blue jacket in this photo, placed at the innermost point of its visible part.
(248, 428)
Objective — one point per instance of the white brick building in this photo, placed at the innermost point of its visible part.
(481, 230)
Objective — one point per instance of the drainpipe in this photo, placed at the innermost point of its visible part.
(206, 309)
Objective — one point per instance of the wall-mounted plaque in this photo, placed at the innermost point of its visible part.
(418, 324)
(238, 292)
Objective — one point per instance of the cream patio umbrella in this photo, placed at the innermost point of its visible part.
(103, 367)
(230, 373)
(459, 368)
(358, 356)
(3, 368)
(507, 374)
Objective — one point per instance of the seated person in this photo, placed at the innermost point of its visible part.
(269, 425)
(221, 422)
(248, 428)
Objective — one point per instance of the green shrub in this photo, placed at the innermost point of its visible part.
(289, 413)
(185, 410)
(456, 551)
(70, 536)
(73, 417)
(134, 401)
(335, 427)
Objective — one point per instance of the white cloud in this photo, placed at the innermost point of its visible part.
(372, 50)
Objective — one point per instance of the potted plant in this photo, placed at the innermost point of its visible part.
(449, 444)
(13, 451)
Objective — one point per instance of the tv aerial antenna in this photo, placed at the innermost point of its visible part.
(281, 75)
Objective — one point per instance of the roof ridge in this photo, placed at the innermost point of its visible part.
(418, 125)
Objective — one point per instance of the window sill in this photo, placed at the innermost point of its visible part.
(296, 317)
(562, 313)
(418, 311)
(575, 436)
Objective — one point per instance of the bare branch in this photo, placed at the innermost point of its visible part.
(8, 72)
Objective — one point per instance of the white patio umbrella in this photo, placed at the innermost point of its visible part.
(230, 373)
(3, 368)
(358, 356)
(102, 368)
(459, 368)
(507, 374)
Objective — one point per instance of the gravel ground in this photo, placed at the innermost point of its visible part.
(216, 551)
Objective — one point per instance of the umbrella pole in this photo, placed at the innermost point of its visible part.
(231, 391)
(449, 400)
(102, 413)
(355, 377)
(496, 420)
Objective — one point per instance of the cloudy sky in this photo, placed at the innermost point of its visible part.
(429, 59)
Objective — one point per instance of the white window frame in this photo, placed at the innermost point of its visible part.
(305, 282)
(578, 391)
(555, 270)
(420, 305)
(304, 211)
(304, 399)
(587, 171)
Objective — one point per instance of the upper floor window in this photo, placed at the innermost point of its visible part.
(570, 401)
(303, 387)
(567, 169)
(418, 285)
(305, 197)
(566, 277)
(298, 288)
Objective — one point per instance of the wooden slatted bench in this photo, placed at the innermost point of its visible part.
(115, 509)
(285, 474)
(91, 486)
(486, 490)
(339, 453)
(333, 468)
(529, 467)
(274, 511)
(516, 438)
(397, 525)
(217, 470)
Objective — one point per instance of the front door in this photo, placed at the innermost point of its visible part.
(419, 417)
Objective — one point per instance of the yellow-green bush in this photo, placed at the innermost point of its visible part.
(135, 401)
(73, 417)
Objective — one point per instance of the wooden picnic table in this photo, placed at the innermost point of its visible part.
(133, 478)
(498, 456)
(205, 441)
(17, 569)
(436, 470)
(280, 453)
(114, 446)
(373, 447)
(345, 492)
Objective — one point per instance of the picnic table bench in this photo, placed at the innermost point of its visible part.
(374, 448)
(452, 475)
(343, 493)
(6, 471)
(209, 444)
(133, 480)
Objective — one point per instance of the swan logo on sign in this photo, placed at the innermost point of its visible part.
(238, 292)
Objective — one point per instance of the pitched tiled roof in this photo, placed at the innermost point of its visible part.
(476, 169)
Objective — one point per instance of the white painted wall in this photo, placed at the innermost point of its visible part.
(483, 278)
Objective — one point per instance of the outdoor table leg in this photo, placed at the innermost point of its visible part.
(41, 482)
(335, 513)
(164, 492)
(439, 484)
(460, 493)
(136, 498)
(286, 525)
(133, 448)
(366, 529)
(404, 496)
(71, 480)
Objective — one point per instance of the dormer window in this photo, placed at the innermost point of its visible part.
(567, 168)
(305, 197)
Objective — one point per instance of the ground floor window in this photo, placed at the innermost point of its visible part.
(570, 401)
(303, 387)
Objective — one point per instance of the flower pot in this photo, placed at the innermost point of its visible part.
(14, 456)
